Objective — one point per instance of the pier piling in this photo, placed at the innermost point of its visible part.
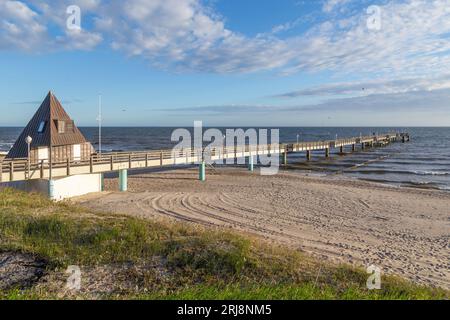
(51, 189)
(250, 163)
(202, 171)
(308, 155)
(123, 180)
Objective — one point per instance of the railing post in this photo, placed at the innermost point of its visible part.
(129, 161)
(68, 167)
(146, 159)
(111, 160)
(11, 171)
(42, 169)
(161, 158)
(91, 163)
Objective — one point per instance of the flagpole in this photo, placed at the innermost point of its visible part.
(100, 124)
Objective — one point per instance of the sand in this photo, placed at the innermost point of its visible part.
(404, 231)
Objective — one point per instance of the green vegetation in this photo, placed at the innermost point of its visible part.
(163, 260)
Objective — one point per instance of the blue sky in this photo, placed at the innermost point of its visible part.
(229, 62)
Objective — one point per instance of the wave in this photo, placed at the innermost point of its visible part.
(411, 184)
(405, 172)
(432, 173)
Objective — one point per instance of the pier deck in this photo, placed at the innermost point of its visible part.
(21, 169)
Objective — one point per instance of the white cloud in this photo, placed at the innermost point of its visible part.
(380, 86)
(19, 26)
(25, 26)
(330, 5)
(428, 102)
(186, 35)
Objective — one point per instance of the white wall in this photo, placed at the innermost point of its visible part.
(63, 188)
(76, 185)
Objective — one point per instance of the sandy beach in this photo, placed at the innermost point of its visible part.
(402, 230)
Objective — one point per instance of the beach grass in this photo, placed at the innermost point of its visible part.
(168, 260)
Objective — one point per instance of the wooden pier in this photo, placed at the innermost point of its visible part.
(21, 169)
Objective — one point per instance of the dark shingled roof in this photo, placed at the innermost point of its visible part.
(49, 111)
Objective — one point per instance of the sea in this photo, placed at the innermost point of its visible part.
(424, 162)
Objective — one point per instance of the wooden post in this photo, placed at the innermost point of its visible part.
(146, 160)
(129, 160)
(42, 169)
(11, 171)
(111, 162)
(327, 152)
(161, 158)
(91, 164)
(68, 167)
(308, 155)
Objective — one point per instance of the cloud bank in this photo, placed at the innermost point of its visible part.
(189, 36)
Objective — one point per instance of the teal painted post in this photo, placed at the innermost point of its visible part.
(123, 180)
(202, 171)
(51, 189)
(250, 163)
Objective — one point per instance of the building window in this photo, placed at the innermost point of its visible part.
(69, 126)
(61, 127)
(41, 127)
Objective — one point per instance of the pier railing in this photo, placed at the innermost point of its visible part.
(21, 169)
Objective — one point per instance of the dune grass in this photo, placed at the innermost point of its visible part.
(192, 262)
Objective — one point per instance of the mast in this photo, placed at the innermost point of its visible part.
(99, 123)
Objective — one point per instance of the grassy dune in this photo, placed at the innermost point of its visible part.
(122, 258)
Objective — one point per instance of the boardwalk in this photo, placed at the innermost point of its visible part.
(21, 169)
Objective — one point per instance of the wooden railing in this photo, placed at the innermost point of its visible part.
(40, 169)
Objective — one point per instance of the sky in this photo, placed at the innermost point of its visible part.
(228, 62)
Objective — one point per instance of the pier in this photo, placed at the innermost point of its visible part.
(21, 169)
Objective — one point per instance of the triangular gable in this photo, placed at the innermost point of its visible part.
(49, 112)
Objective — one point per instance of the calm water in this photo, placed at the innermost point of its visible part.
(424, 162)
